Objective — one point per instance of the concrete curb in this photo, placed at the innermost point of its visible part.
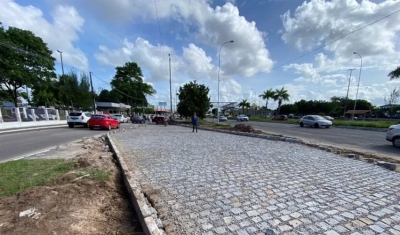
(146, 213)
(11, 130)
(384, 164)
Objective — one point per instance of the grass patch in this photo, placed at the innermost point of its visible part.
(97, 174)
(22, 174)
(357, 123)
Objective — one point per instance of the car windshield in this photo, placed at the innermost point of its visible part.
(117, 115)
(98, 117)
(75, 114)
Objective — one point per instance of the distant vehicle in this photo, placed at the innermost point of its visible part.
(393, 135)
(103, 121)
(78, 118)
(315, 121)
(159, 120)
(280, 118)
(328, 118)
(121, 118)
(242, 118)
(138, 119)
(223, 118)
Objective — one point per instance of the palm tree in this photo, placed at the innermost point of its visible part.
(268, 94)
(280, 96)
(395, 74)
(244, 104)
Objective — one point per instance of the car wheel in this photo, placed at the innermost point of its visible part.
(316, 125)
(301, 124)
(91, 128)
(109, 127)
(396, 142)
(118, 126)
(71, 125)
(85, 125)
(327, 127)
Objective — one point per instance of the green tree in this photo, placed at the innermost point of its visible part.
(25, 61)
(109, 96)
(128, 80)
(395, 74)
(244, 104)
(214, 111)
(267, 95)
(193, 97)
(280, 96)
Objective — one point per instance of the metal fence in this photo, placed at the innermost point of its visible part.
(10, 114)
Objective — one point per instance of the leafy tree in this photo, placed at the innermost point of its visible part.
(26, 61)
(280, 96)
(289, 108)
(244, 104)
(128, 80)
(267, 95)
(214, 111)
(395, 74)
(109, 96)
(5, 95)
(193, 97)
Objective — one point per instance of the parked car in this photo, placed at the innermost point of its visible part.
(138, 119)
(160, 120)
(393, 135)
(78, 118)
(328, 118)
(280, 118)
(103, 121)
(121, 118)
(241, 118)
(315, 121)
(223, 118)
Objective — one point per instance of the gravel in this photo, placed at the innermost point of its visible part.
(215, 183)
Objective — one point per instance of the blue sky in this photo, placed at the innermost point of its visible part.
(97, 35)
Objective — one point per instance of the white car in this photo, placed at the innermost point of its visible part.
(223, 118)
(315, 121)
(328, 118)
(121, 118)
(78, 118)
(393, 135)
(241, 118)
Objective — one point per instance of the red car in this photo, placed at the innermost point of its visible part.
(160, 120)
(103, 121)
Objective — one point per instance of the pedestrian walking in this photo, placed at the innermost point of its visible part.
(194, 121)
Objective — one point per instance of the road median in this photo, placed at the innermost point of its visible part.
(22, 126)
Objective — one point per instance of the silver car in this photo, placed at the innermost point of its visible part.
(223, 118)
(121, 118)
(315, 121)
(393, 135)
(241, 118)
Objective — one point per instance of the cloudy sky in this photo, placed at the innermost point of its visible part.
(270, 39)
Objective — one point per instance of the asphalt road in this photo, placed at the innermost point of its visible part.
(22, 143)
(363, 140)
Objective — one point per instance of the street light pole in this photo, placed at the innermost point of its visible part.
(347, 95)
(219, 68)
(62, 64)
(170, 84)
(358, 86)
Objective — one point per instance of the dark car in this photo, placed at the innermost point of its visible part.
(159, 120)
(138, 119)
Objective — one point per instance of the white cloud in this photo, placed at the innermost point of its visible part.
(317, 22)
(60, 34)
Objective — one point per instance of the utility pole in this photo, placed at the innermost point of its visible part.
(170, 83)
(347, 95)
(176, 99)
(62, 64)
(91, 85)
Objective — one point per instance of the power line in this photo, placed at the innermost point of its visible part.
(324, 45)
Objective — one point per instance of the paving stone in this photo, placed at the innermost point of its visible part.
(331, 232)
(218, 183)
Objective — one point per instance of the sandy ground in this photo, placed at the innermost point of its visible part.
(70, 204)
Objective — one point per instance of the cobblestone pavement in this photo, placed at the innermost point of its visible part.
(214, 183)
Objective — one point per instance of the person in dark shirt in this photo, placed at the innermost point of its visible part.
(194, 122)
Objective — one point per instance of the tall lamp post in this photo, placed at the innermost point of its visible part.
(255, 93)
(358, 86)
(62, 64)
(347, 95)
(219, 68)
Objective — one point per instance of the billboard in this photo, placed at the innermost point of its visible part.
(162, 103)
